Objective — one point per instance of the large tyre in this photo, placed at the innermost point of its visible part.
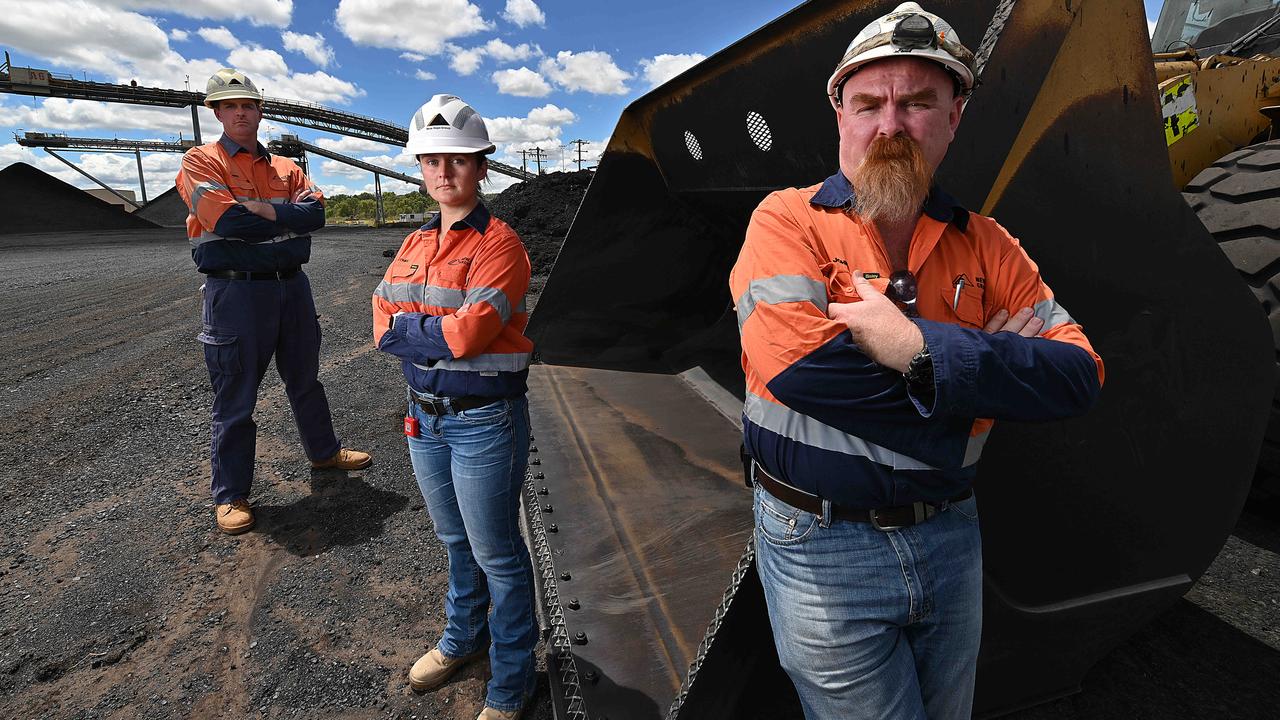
(1238, 200)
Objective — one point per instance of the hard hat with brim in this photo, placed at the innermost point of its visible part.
(446, 124)
(927, 37)
(229, 84)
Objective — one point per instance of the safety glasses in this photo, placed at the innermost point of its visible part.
(902, 290)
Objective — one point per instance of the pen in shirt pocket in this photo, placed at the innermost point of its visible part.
(955, 301)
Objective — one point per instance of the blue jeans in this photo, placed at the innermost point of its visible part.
(873, 624)
(470, 468)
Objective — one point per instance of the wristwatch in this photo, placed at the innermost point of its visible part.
(919, 374)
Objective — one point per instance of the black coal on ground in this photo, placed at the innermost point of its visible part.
(541, 211)
(47, 204)
(166, 210)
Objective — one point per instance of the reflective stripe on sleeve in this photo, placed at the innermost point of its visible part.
(494, 297)
(801, 428)
(489, 362)
(201, 189)
(205, 237)
(1052, 313)
(442, 297)
(781, 289)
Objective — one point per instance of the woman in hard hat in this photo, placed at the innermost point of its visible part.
(451, 307)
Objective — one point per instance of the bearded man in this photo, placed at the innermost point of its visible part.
(884, 327)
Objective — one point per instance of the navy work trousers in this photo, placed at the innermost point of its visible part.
(245, 322)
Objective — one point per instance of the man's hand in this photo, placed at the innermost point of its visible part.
(1024, 322)
(878, 326)
(263, 210)
(302, 195)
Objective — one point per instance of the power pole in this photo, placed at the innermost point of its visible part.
(579, 143)
(538, 156)
(524, 160)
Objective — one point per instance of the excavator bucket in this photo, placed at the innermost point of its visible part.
(638, 513)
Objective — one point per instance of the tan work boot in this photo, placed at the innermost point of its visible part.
(435, 667)
(490, 714)
(234, 517)
(344, 459)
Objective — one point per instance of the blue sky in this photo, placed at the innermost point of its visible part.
(543, 72)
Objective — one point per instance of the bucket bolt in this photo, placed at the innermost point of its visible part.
(580, 638)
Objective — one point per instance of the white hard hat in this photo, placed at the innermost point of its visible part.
(227, 84)
(908, 31)
(446, 124)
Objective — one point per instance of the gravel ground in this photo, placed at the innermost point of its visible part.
(118, 598)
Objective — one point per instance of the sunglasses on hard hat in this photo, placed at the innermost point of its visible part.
(902, 290)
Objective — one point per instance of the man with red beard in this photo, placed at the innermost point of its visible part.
(883, 328)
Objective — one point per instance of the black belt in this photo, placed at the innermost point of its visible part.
(254, 275)
(450, 406)
(889, 518)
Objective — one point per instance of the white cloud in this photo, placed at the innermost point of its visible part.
(179, 35)
(1151, 27)
(333, 167)
(542, 127)
(257, 12)
(523, 13)
(400, 24)
(551, 115)
(465, 62)
(412, 56)
(61, 115)
(522, 83)
(503, 52)
(258, 62)
(219, 36)
(81, 36)
(317, 87)
(312, 47)
(593, 71)
(424, 75)
(661, 68)
(350, 145)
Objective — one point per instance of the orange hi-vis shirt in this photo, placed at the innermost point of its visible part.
(462, 294)
(820, 415)
(216, 178)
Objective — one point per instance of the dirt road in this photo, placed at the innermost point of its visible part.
(119, 600)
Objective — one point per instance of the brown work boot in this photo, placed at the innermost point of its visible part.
(234, 517)
(435, 667)
(490, 714)
(344, 459)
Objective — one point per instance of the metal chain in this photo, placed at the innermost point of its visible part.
(558, 638)
(744, 563)
(989, 38)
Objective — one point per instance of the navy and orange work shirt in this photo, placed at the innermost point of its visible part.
(216, 178)
(461, 291)
(825, 418)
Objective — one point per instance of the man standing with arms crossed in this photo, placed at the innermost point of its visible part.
(250, 218)
(877, 334)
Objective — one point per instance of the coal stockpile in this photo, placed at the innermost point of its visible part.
(47, 204)
(167, 210)
(541, 211)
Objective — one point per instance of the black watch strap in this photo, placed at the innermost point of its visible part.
(919, 372)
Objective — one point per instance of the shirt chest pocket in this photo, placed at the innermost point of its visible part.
(243, 188)
(279, 185)
(450, 276)
(966, 308)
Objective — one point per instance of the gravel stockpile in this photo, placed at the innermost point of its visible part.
(541, 211)
(42, 203)
(165, 210)
(119, 599)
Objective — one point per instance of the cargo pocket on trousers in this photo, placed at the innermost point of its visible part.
(221, 352)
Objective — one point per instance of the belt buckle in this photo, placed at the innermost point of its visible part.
(875, 522)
